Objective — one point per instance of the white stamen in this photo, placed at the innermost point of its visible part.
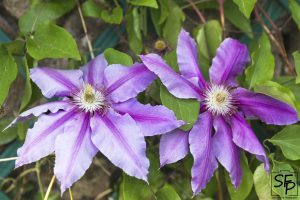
(89, 99)
(219, 101)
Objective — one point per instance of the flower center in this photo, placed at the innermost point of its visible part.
(219, 101)
(90, 99)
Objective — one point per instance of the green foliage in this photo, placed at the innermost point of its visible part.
(9, 134)
(44, 12)
(113, 56)
(288, 140)
(148, 3)
(167, 193)
(134, 31)
(114, 16)
(8, 69)
(262, 185)
(27, 90)
(245, 7)
(263, 64)
(184, 109)
(51, 41)
(296, 56)
(246, 184)
(295, 10)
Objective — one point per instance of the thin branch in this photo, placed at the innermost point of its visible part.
(280, 48)
(103, 194)
(201, 17)
(222, 18)
(70, 193)
(49, 188)
(196, 2)
(85, 30)
(8, 159)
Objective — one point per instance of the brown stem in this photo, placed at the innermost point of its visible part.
(85, 30)
(201, 17)
(222, 18)
(279, 44)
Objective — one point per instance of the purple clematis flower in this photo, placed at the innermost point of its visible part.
(98, 112)
(224, 107)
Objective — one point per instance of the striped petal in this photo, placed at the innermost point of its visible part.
(201, 148)
(123, 83)
(173, 147)
(230, 61)
(54, 82)
(245, 138)
(121, 141)
(187, 57)
(93, 72)
(178, 85)
(152, 120)
(40, 139)
(226, 151)
(266, 108)
(74, 151)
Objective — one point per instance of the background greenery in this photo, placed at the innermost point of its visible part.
(50, 33)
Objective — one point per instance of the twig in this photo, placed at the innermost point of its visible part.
(8, 159)
(49, 188)
(85, 30)
(103, 194)
(196, 2)
(275, 41)
(201, 17)
(70, 193)
(222, 19)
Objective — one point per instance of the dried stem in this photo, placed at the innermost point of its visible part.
(103, 194)
(85, 30)
(8, 159)
(279, 46)
(201, 17)
(222, 18)
(70, 193)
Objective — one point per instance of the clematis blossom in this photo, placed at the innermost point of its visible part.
(97, 112)
(221, 130)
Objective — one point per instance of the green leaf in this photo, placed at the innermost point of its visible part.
(51, 41)
(134, 31)
(277, 91)
(8, 69)
(295, 10)
(9, 134)
(148, 3)
(114, 17)
(44, 12)
(296, 56)
(27, 90)
(234, 15)
(262, 183)
(91, 9)
(167, 193)
(173, 26)
(246, 184)
(263, 64)
(184, 109)
(245, 6)
(113, 56)
(288, 140)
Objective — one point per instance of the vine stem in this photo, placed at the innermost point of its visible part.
(219, 185)
(49, 188)
(8, 159)
(202, 19)
(70, 193)
(38, 174)
(222, 18)
(85, 30)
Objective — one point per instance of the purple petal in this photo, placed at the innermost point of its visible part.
(54, 82)
(152, 120)
(266, 108)
(123, 82)
(53, 107)
(187, 57)
(173, 147)
(226, 151)
(40, 139)
(177, 85)
(230, 61)
(121, 141)
(74, 151)
(93, 72)
(245, 138)
(201, 148)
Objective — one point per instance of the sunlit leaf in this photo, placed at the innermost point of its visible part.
(245, 6)
(167, 193)
(295, 10)
(148, 3)
(262, 184)
(113, 56)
